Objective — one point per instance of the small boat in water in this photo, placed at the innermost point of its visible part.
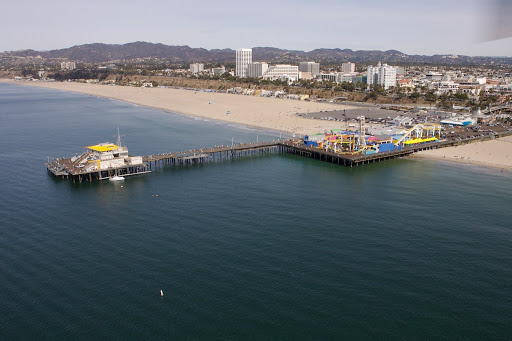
(116, 178)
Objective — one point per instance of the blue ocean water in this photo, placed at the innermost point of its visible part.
(272, 247)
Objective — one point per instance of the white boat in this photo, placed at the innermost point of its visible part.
(116, 178)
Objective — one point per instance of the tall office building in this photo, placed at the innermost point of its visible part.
(243, 59)
(312, 67)
(348, 67)
(256, 70)
(384, 75)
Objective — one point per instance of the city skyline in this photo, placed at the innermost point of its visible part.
(461, 27)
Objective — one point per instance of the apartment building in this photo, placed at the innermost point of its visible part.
(196, 68)
(382, 74)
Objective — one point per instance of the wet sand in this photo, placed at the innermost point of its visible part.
(494, 153)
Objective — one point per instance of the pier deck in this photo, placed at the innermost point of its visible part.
(62, 168)
(293, 146)
(211, 154)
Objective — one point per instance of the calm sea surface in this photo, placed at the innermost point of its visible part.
(272, 247)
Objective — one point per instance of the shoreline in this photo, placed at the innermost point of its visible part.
(462, 162)
(495, 153)
(258, 112)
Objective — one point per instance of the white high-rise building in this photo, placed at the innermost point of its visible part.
(312, 67)
(256, 70)
(372, 74)
(384, 75)
(387, 76)
(348, 67)
(243, 59)
(196, 68)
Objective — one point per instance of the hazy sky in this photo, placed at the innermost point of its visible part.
(411, 26)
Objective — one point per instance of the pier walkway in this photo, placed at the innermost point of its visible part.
(211, 154)
(222, 153)
(292, 146)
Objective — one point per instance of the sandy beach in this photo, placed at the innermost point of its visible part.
(494, 153)
(269, 113)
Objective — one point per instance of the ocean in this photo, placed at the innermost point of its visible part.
(268, 247)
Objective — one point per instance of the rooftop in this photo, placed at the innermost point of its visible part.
(103, 147)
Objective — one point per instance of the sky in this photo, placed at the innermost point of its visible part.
(427, 27)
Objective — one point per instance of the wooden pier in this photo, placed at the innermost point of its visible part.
(214, 154)
(217, 154)
(293, 146)
(350, 160)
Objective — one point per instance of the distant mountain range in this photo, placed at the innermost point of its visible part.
(137, 51)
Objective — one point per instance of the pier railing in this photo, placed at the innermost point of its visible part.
(214, 154)
(292, 146)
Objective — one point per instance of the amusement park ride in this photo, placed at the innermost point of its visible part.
(357, 142)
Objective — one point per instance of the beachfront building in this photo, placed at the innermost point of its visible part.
(67, 65)
(196, 68)
(382, 74)
(256, 70)
(243, 59)
(340, 77)
(311, 67)
(348, 67)
(282, 72)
